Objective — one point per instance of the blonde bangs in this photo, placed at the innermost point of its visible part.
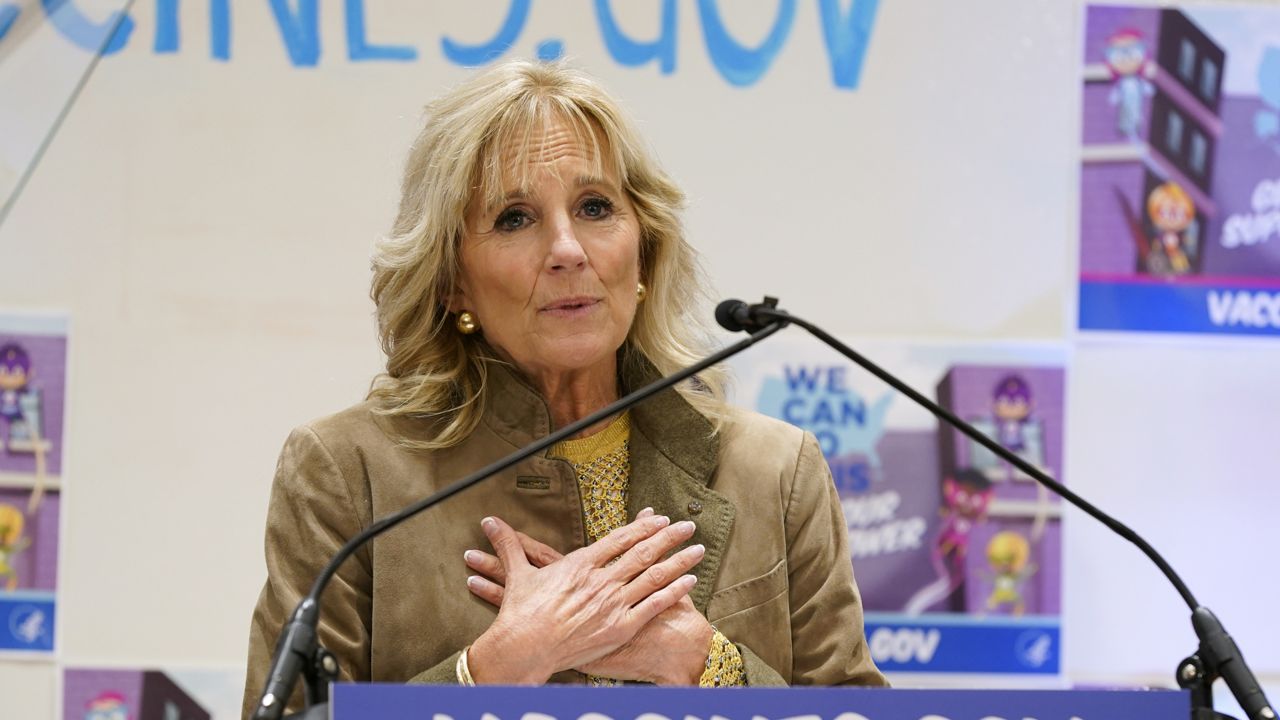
(509, 157)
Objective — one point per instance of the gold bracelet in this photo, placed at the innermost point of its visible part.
(464, 672)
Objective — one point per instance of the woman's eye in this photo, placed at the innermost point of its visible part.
(511, 220)
(596, 208)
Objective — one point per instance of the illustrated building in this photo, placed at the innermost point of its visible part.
(1176, 138)
(1020, 508)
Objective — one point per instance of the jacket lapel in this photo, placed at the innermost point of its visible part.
(673, 457)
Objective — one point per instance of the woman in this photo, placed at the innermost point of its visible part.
(536, 272)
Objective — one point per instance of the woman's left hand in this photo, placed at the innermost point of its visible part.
(670, 650)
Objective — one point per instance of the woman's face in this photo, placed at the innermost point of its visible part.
(550, 271)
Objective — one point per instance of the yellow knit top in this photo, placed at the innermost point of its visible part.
(602, 462)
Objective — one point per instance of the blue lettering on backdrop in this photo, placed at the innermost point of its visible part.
(472, 55)
(220, 29)
(549, 50)
(169, 39)
(846, 31)
(740, 65)
(166, 26)
(8, 15)
(358, 46)
(847, 38)
(80, 30)
(817, 399)
(632, 53)
(300, 30)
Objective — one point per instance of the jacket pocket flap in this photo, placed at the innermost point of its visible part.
(748, 593)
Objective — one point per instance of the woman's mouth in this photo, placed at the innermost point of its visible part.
(571, 307)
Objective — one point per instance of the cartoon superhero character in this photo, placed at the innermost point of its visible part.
(1171, 212)
(965, 496)
(1126, 58)
(15, 366)
(109, 705)
(1011, 405)
(18, 401)
(11, 543)
(1011, 424)
(965, 499)
(1007, 553)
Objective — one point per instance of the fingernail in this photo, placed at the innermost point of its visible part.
(691, 580)
(698, 550)
(661, 521)
(470, 556)
(645, 512)
(686, 526)
(488, 524)
(471, 580)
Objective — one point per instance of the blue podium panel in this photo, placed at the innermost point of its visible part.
(438, 702)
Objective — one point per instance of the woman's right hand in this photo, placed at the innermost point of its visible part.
(583, 606)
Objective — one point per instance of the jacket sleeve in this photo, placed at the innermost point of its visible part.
(829, 646)
(442, 673)
(310, 516)
(757, 672)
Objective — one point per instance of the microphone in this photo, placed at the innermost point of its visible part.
(736, 315)
(298, 651)
(1217, 655)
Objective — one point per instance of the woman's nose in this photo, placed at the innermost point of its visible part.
(566, 251)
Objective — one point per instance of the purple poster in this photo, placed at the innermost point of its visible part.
(33, 370)
(957, 554)
(1180, 170)
(128, 694)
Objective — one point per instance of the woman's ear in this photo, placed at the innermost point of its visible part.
(457, 300)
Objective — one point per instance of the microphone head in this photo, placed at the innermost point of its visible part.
(728, 312)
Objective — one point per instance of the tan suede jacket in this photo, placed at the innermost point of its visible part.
(776, 578)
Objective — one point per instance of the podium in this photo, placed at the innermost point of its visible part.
(373, 701)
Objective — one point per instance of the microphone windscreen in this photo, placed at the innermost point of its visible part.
(726, 313)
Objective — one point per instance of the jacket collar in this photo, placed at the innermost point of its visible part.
(673, 456)
(518, 413)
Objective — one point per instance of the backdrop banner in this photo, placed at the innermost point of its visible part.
(957, 554)
(33, 363)
(1180, 175)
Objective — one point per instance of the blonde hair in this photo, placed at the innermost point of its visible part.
(471, 133)
(10, 525)
(1164, 196)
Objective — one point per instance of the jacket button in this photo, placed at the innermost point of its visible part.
(695, 507)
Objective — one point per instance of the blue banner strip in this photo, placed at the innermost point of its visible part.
(1183, 308)
(393, 702)
(939, 644)
(27, 621)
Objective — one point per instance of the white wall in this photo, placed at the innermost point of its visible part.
(208, 226)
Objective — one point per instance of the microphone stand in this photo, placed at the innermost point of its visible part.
(1217, 655)
(298, 651)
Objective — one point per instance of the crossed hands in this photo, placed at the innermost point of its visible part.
(629, 619)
